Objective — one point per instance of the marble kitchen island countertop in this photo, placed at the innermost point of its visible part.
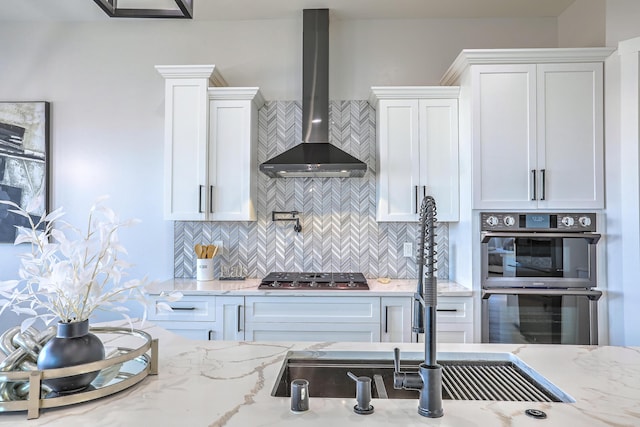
(249, 287)
(221, 383)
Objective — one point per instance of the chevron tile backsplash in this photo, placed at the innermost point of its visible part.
(339, 230)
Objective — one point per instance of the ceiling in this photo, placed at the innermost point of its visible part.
(87, 10)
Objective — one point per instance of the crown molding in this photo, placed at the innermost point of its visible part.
(247, 93)
(209, 72)
(412, 92)
(470, 57)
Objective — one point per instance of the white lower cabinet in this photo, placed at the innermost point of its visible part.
(201, 317)
(310, 318)
(396, 313)
(454, 319)
(301, 318)
(454, 333)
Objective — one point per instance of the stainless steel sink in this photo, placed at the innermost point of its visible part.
(465, 376)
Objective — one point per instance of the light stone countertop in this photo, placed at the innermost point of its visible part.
(222, 383)
(249, 287)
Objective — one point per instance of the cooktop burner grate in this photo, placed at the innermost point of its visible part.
(326, 281)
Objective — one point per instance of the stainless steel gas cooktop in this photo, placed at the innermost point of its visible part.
(326, 281)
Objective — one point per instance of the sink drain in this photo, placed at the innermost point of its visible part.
(536, 413)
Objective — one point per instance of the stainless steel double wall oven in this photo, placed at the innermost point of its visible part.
(539, 278)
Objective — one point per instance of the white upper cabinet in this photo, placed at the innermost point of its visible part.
(210, 146)
(536, 126)
(570, 149)
(416, 152)
(233, 133)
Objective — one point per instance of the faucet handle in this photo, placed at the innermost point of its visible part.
(404, 380)
(396, 359)
(398, 377)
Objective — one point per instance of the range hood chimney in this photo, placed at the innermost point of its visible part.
(315, 156)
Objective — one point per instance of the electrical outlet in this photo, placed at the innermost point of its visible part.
(408, 249)
(218, 243)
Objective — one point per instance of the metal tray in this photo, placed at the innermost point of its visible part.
(125, 367)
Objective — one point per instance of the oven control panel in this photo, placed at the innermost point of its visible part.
(544, 222)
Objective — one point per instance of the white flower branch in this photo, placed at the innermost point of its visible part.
(69, 278)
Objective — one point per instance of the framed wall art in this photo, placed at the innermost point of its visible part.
(24, 162)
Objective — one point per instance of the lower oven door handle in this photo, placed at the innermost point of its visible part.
(592, 294)
(591, 237)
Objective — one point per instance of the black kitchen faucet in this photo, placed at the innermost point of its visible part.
(428, 380)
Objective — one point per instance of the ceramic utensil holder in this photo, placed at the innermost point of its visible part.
(204, 269)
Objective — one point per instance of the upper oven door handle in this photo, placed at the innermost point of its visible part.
(591, 237)
(592, 294)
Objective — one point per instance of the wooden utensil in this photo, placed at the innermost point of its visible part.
(215, 251)
(199, 250)
(210, 251)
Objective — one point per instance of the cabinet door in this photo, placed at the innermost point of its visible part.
(192, 316)
(503, 136)
(439, 155)
(323, 332)
(301, 318)
(232, 160)
(229, 324)
(396, 319)
(185, 152)
(570, 136)
(454, 310)
(398, 157)
(190, 308)
(455, 333)
(192, 330)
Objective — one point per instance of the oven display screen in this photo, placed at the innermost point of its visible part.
(538, 221)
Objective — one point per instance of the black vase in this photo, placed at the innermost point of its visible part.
(72, 345)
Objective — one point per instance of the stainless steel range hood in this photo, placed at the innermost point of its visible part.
(315, 156)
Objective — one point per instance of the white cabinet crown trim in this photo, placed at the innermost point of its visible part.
(237, 93)
(630, 46)
(522, 56)
(411, 92)
(192, 72)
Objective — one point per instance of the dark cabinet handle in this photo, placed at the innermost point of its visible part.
(211, 198)
(416, 196)
(200, 198)
(183, 308)
(210, 335)
(239, 317)
(447, 310)
(544, 178)
(533, 178)
(386, 319)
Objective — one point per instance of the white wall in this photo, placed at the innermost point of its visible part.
(622, 176)
(418, 52)
(582, 24)
(107, 99)
(622, 20)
